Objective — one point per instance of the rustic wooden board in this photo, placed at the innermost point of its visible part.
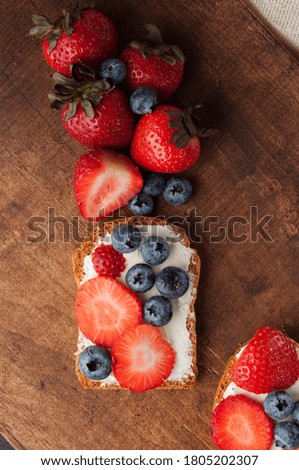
(252, 83)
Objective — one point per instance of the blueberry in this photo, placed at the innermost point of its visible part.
(295, 414)
(141, 204)
(114, 69)
(126, 238)
(154, 250)
(157, 311)
(286, 435)
(95, 362)
(172, 282)
(178, 191)
(143, 100)
(140, 278)
(154, 184)
(278, 404)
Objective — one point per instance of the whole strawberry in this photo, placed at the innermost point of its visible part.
(154, 64)
(94, 112)
(269, 362)
(82, 36)
(166, 141)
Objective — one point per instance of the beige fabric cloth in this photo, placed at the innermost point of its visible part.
(282, 18)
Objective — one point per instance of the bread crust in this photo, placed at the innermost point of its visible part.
(194, 267)
(226, 378)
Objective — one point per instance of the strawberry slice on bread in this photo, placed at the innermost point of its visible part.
(105, 309)
(240, 423)
(269, 362)
(105, 181)
(142, 359)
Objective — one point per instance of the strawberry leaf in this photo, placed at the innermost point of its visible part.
(168, 58)
(53, 37)
(171, 112)
(205, 133)
(71, 110)
(62, 80)
(81, 72)
(41, 21)
(177, 54)
(63, 90)
(189, 124)
(182, 142)
(87, 108)
(178, 135)
(56, 104)
(175, 124)
(154, 37)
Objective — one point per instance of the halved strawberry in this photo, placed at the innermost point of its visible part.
(269, 362)
(240, 423)
(105, 181)
(142, 359)
(105, 309)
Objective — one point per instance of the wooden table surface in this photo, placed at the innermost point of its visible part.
(251, 83)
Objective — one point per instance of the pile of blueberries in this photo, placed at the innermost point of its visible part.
(172, 282)
(279, 405)
(176, 191)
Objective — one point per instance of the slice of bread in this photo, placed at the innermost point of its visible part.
(226, 380)
(86, 248)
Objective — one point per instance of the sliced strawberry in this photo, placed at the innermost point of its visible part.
(269, 362)
(105, 181)
(240, 423)
(105, 309)
(107, 261)
(142, 359)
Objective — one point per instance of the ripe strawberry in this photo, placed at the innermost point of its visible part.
(105, 309)
(269, 362)
(94, 113)
(107, 261)
(154, 64)
(142, 359)
(82, 36)
(105, 181)
(240, 423)
(166, 141)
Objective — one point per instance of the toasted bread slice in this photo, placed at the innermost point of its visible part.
(226, 380)
(86, 248)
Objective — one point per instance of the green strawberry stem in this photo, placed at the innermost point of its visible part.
(82, 88)
(43, 27)
(156, 46)
(183, 123)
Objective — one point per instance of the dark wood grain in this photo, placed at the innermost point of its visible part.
(251, 83)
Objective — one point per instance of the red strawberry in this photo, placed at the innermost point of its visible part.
(94, 113)
(105, 181)
(240, 423)
(112, 125)
(107, 261)
(166, 141)
(154, 64)
(269, 362)
(142, 359)
(83, 36)
(105, 309)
